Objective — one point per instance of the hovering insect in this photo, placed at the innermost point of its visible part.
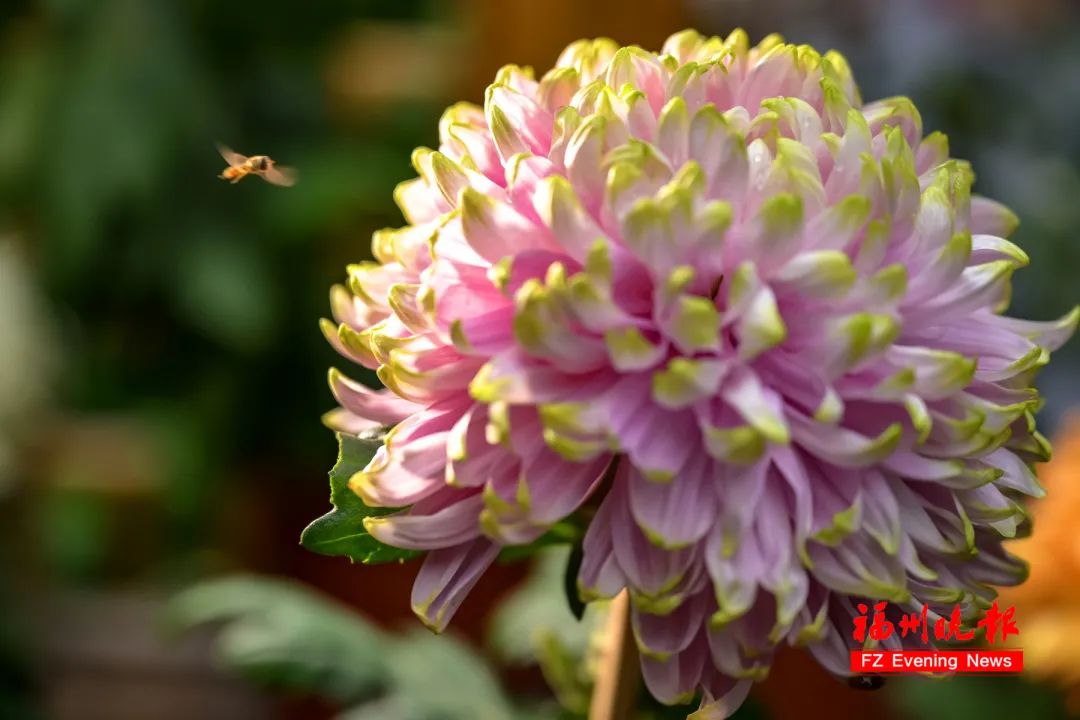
(240, 166)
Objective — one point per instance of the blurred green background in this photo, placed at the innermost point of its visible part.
(161, 371)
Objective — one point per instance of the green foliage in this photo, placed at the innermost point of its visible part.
(455, 682)
(976, 698)
(179, 297)
(526, 619)
(341, 531)
(281, 634)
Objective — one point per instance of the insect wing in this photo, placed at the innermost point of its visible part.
(234, 159)
(283, 176)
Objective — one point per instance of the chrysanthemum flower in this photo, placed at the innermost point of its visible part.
(747, 325)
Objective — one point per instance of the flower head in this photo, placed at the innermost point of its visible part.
(748, 323)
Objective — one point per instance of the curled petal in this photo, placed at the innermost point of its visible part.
(440, 527)
(673, 679)
(380, 406)
(446, 577)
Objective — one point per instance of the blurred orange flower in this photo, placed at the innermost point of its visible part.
(1048, 604)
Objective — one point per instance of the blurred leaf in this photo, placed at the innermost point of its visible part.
(565, 671)
(390, 707)
(456, 683)
(281, 634)
(522, 622)
(536, 625)
(278, 633)
(341, 531)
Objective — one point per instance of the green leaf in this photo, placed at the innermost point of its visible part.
(457, 682)
(341, 531)
(281, 634)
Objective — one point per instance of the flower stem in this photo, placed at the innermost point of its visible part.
(615, 693)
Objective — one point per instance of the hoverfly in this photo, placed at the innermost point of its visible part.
(240, 166)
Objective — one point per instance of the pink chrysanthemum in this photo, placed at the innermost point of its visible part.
(747, 325)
